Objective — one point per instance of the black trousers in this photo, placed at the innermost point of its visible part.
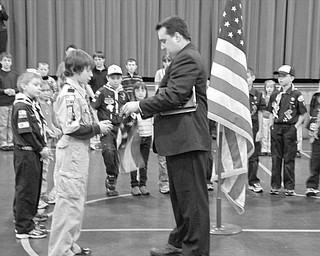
(313, 180)
(3, 40)
(283, 151)
(254, 158)
(28, 170)
(189, 198)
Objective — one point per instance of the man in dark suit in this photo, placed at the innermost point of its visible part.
(183, 138)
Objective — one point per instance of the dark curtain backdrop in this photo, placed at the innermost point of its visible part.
(276, 31)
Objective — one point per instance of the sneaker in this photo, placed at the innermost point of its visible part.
(111, 192)
(40, 217)
(164, 189)
(256, 187)
(42, 204)
(312, 192)
(136, 191)
(144, 191)
(274, 191)
(167, 250)
(84, 251)
(289, 192)
(34, 233)
(298, 154)
(49, 199)
(210, 187)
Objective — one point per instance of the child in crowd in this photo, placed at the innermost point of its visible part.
(108, 101)
(312, 183)
(257, 106)
(99, 71)
(163, 172)
(145, 129)
(72, 156)
(28, 127)
(269, 88)
(131, 77)
(52, 135)
(8, 90)
(287, 111)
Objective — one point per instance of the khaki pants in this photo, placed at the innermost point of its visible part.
(72, 163)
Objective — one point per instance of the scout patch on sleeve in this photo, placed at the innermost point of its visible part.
(22, 114)
(69, 100)
(300, 98)
(22, 125)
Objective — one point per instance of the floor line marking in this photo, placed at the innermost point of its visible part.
(107, 198)
(27, 247)
(265, 169)
(306, 155)
(170, 229)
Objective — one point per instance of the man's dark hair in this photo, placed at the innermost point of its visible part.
(71, 46)
(175, 24)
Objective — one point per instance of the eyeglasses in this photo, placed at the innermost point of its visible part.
(167, 60)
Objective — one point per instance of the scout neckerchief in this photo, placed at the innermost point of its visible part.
(22, 98)
(277, 101)
(116, 96)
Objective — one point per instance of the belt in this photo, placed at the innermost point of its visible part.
(25, 148)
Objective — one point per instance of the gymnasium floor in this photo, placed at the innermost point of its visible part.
(130, 226)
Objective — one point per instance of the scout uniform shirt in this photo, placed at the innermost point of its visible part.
(28, 124)
(108, 102)
(257, 103)
(287, 106)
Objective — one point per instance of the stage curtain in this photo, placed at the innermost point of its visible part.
(276, 32)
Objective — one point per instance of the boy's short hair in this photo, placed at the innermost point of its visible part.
(5, 55)
(71, 46)
(166, 57)
(99, 54)
(43, 64)
(76, 61)
(131, 60)
(25, 78)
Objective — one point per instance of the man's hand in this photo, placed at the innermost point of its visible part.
(10, 92)
(105, 126)
(130, 107)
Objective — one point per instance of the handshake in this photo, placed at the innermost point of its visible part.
(105, 126)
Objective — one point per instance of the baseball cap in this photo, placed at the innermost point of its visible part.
(285, 69)
(114, 69)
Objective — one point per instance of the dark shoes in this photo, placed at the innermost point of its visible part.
(167, 250)
(84, 251)
(298, 154)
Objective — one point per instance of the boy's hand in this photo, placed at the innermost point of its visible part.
(45, 153)
(10, 92)
(105, 126)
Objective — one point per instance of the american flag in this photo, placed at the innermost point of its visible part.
(228, 104)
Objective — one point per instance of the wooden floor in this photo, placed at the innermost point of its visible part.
(130, 226)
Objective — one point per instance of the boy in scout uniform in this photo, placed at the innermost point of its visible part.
(287, 110)
(30, 149)
(72, 156)
(108, 101)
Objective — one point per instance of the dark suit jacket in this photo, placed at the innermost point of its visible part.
(180, 133)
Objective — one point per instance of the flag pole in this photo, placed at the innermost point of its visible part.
(219, 229)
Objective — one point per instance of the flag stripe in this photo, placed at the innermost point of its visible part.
(234, 148)
(220, 71)
(230, 118)
(224, 87)
(231, 50)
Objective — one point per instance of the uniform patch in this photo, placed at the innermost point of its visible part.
(22, 125)
(69, 100)
(22, 114)
(109, 101)
(300, 98)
